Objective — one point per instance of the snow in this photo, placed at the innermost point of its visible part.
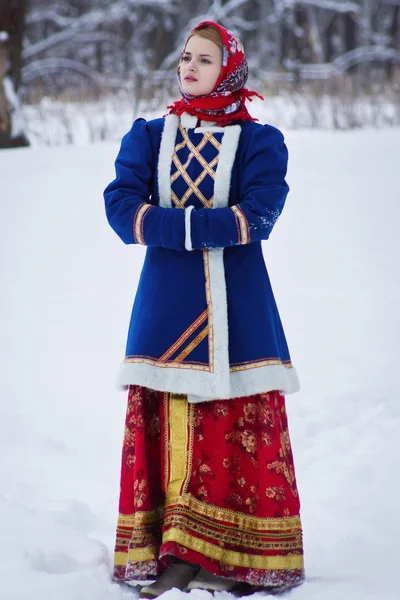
(54, 123)
(67, 286)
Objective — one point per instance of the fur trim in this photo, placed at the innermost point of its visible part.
(212, 129)
(188, 233)
(223, 174)
(189, 121)
(167, 146)
(219, 319)
(201, 386)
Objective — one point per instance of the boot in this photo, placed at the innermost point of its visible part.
(177, 576)
(207, 581)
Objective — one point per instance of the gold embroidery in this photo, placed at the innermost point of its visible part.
(190, 448)
(283, 534)
(263, 363)
(190, 190)
(170, 365)
(251, 561)
(236, 538)
(135, 555)
(178, 441)
(139, 223)
(166, 399)
(192, 186)
(243, 224)
(204, 141)
(137, 539)
(195, 149)
(140, 518)
(213, 140)
(206, 260)
(242, 520)
(193, 344)
(181, 170)
(186, 335)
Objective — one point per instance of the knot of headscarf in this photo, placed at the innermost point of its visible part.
(227, 102)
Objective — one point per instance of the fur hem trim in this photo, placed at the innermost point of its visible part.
(188, 232)
(201, 386)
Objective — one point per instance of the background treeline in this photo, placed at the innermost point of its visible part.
(122, 41)
(86, 50)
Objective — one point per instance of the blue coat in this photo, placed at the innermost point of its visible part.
(204, 321)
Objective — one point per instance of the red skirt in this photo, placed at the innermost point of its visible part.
(211, 483)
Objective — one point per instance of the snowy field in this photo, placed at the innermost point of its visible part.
(67, 284)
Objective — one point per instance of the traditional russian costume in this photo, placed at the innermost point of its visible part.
(207, 469)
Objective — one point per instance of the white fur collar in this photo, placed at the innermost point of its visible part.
(188, 121)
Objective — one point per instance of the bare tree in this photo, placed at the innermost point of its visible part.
(12, 15)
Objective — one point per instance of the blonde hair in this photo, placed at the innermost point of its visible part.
(208, 33)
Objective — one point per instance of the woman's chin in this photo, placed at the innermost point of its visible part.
(189, 88)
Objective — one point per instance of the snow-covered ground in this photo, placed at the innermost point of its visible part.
(67, 285)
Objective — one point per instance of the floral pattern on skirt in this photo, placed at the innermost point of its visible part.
(212, 483)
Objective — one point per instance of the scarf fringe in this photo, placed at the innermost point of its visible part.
(218, 115)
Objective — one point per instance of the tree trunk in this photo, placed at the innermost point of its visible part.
(12, 17)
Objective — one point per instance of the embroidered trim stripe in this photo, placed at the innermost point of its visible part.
(195, 149)
(231, 557)
(236, 538)
(178, 147)
(196, 366)
(189, 463)
(140, 518)
(197, 340)
(206, 260)
(244, 237)
(185, 336)
(224, 515)
(166, 401)
(178, 443)
(261, 363)
(213, 139)
(135, 555)
(233, 530)
(193, 189)
(138, 224)
(208, 168)
(191, 185)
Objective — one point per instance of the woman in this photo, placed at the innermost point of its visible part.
(207, 473)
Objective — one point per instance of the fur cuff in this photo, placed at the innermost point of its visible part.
(188, 233)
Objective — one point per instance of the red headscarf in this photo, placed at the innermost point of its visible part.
(227, 102)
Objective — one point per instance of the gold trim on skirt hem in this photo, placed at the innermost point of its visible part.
(135, 555)
(230, 557)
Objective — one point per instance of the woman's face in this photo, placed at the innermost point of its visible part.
(200, 66)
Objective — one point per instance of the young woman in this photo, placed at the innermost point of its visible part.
(207, 479)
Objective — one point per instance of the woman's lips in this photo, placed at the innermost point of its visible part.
(189, 78)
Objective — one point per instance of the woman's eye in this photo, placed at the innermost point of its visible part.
(207, 62)
(184, 58)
